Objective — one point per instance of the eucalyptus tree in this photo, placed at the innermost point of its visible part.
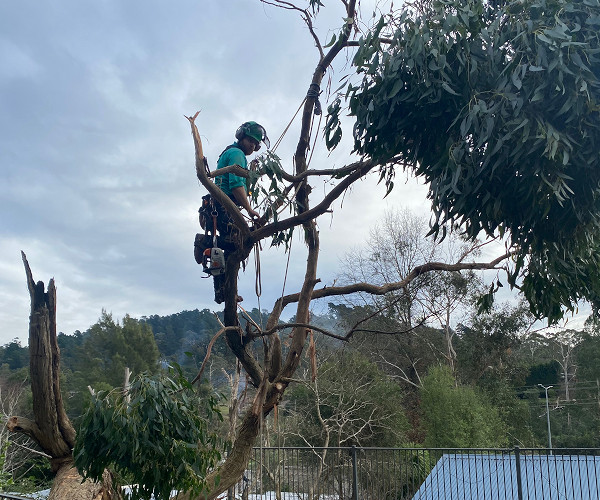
(50, 428)
(494, 105)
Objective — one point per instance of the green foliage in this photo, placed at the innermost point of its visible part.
(182, 332)
(489, 342)
(496, 106)
(587, 356)
(98, 358)
(159, 437)
(5, 477)
(273, 194)
(315, 5)
(458, 416)
(543, 373)
(15, 356)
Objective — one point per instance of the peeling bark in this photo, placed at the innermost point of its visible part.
(68, 486)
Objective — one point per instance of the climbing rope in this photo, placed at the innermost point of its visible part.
(313, 92)
(257, 248)
(278, 142)
(258, 281)
(287, 266)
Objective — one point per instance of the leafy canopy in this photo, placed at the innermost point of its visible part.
(496, 106)
(458, 416)
(159, 437)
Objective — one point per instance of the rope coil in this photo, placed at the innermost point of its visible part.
(314, 90)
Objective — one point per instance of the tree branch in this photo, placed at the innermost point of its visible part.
(211, 187)
(304, 14)
(390, 287)
(27, 427)
(320, 209)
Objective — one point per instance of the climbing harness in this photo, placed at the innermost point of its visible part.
(213, 258)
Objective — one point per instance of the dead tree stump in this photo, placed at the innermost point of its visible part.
(51, 427)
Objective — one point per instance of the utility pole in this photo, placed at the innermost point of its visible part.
(548, 417)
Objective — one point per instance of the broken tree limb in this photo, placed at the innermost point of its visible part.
(210, 186)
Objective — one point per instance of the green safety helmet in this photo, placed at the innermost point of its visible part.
(254, 130)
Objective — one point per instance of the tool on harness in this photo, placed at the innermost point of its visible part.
(213, 261)
(213, 258)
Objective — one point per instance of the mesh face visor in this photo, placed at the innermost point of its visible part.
(265, 139)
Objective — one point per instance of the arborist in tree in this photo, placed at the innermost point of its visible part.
(214, 218)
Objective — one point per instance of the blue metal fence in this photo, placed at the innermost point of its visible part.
(420, 474)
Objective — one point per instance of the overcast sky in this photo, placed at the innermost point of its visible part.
(98, 182)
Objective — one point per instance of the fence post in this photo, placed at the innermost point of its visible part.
(354, 474)
(518, 469)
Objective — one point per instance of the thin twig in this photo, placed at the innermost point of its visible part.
(209, 348)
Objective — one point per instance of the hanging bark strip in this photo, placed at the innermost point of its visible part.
(312, 352)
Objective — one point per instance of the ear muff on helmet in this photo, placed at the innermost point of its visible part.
(253, 130)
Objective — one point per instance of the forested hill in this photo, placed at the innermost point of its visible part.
(97, 358)
(180, 337)
(186, 331)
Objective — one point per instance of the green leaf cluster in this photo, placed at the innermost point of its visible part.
(272, 193)
(158, 436)
(496, 106)
(109, 347)
(458, 416)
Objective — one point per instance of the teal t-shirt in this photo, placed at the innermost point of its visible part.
(228, 182)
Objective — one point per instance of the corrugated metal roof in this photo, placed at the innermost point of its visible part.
(494, 477)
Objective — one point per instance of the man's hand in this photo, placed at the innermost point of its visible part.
(239, 193)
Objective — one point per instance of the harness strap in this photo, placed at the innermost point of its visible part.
(214, 216)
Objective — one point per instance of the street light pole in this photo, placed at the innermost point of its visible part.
(548, 417)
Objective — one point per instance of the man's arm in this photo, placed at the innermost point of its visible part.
(239, 193)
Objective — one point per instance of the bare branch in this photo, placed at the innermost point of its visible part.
(403, 375)
(31, 450)
(27, 427)
(231, 169)
(304, 14)
(208, 350)
(390, 287)
(342, 171)
(320, 209)
(210, 186)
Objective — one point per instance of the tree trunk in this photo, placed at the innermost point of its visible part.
(51, 428)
